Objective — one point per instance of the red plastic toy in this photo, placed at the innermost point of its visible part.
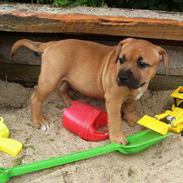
(84, 120)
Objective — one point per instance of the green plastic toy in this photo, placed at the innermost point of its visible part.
(137, 143)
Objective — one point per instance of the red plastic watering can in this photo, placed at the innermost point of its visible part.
(85, 120)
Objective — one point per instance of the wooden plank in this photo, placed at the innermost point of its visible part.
(162, 82)
(48, 20)
(27, 75)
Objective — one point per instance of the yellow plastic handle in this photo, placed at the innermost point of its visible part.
(10, 146)
(4, 131)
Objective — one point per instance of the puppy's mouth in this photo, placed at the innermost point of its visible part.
(130, 85)
(126, 78)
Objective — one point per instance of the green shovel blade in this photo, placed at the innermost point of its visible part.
(141, 141)
(137, 143)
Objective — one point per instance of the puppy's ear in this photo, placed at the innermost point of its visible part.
(120, 45)
(165, 58)
(118, 49)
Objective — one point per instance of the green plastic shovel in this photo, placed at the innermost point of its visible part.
(137, 143)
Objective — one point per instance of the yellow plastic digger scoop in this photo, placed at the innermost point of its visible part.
(154, 124)
(7, 145)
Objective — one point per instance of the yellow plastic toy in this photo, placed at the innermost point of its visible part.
(170, 120)
(7, 145)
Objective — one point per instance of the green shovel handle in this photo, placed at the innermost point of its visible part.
(137, 143)
(52, 162)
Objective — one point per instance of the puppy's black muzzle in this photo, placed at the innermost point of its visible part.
(126, 78)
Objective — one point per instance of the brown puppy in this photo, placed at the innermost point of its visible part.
(119, 74)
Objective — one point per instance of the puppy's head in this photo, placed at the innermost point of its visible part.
(137, 62)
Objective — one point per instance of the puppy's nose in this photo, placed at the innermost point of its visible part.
(125, 75)
(123, 78)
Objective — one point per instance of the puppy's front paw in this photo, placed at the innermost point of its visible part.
(131, 119)
(119, 138)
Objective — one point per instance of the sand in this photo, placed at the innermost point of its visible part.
(161, 163)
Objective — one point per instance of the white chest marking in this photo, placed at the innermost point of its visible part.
(139, 95)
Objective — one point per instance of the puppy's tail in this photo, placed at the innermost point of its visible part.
(35, 46)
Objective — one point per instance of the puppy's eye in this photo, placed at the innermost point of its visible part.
(122, 59)
(141, 64)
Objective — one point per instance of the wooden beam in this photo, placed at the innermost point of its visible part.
(27, 75)
(55, 20)
(162, 82)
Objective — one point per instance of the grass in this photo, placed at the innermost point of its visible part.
(165, 5)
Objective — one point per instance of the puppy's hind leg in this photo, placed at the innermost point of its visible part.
(63, 91)
(46, 85)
